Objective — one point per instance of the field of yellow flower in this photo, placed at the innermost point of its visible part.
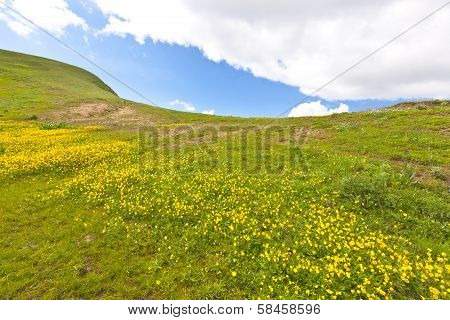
(91, 213)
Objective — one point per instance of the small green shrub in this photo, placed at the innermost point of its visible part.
(438, 173)
(52, 126)
(343, 126)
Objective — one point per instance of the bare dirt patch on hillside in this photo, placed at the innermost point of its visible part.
(104, 114)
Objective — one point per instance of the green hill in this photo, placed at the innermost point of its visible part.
(32, 86)
(103, 197)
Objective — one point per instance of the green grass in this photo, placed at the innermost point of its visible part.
(196, 211)
(31, 85)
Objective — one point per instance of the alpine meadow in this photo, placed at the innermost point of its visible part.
(105, 198)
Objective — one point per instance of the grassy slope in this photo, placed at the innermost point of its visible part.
(391, 161)
(31, 85)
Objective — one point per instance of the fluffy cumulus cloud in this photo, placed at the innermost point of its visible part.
(210, 112)
(52, 15)
(188, 107)
(305, 43)
(316, 108)
(183, 105)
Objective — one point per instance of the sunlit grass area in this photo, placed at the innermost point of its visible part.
(87, 213)
(170, 205)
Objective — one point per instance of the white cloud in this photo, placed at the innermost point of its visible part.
(316, 108)
(52, 15)
(210, 112)
(305, 43)
(87, 6)
(185, 106)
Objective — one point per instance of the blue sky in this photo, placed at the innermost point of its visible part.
(165, 72)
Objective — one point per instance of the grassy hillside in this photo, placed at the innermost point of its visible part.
(33, 84)
(192, 206)
(37, 88)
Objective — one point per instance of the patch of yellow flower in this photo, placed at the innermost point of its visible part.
(281, 234)
(28, 149)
